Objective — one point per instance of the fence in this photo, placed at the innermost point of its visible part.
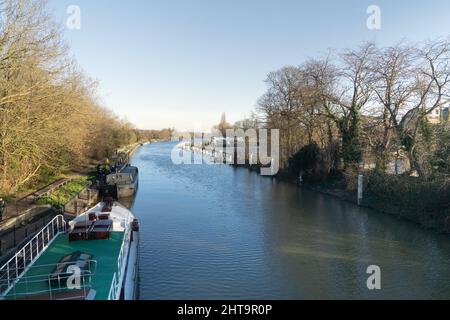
(82, 201)
(18, 265)
(20, 229)
(57, 287)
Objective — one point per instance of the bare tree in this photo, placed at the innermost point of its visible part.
(280, 106)
(431, 91)
(50, 119)
(393, 71)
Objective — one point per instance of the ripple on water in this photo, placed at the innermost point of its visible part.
(215, 232)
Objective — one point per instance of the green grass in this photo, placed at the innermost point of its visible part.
(65, 193)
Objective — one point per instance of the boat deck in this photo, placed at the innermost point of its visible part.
(130, 170)
(105, 252)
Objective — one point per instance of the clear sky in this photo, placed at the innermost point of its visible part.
(181, 63)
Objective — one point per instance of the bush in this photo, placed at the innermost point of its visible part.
(424, 201)
(305, 160)
(440, 160)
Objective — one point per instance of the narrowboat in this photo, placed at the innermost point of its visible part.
(126, 180)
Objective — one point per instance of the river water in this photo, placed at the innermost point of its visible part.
(217, 232)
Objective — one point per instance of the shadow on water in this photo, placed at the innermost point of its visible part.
(217, 232)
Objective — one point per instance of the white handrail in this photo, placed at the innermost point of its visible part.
(114, 291)
(18, 265)
(39, 277)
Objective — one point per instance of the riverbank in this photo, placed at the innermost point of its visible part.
(81, 170)
(423, 202)
(69, 194)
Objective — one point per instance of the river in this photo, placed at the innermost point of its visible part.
(218, 232)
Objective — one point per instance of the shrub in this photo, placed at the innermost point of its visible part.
(306, 159)
(440, 160)
(419, 200)
(61, 196)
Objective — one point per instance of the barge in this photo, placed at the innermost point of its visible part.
(93, 257)
(126, 181)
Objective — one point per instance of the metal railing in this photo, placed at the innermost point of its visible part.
(82, 201)
(37, 283)
(17, 231)
(113, 291)
(12, 271)
(117, 280)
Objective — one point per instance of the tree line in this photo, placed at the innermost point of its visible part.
(368, 104)
(50, 115)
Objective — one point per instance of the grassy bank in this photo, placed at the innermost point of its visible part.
(61, 196)
(64, 194)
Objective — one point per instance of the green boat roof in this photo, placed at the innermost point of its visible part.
(104, 252)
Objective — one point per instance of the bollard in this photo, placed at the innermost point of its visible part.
(360, 188)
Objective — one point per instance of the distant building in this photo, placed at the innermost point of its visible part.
(439, 115)
(445, 113)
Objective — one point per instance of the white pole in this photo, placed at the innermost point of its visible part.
(360, 188)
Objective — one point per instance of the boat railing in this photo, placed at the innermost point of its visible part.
(114, 288)
(39, 284)
(12, 271)
(121, 178)
(117, 280)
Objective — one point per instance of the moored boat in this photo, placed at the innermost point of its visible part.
(126, 180)
(93, 257)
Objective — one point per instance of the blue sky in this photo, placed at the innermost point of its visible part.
(175, 63)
